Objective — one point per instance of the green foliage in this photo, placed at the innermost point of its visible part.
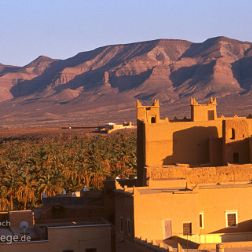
(31, 167)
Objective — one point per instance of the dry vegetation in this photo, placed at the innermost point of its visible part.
(32, 166)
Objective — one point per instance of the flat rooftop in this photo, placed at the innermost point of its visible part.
(164, 190)
(183, 190)
(73, 222)
(225, 185)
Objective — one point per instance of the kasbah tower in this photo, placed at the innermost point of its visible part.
(193, 181)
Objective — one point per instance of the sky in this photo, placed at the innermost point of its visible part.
(62, 28)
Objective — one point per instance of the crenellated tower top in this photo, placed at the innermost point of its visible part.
(149, 114)
(203, 112)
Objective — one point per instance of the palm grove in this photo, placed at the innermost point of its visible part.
(31, 168)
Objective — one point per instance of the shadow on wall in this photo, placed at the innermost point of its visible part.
(240, 232)
(237, 152)
(174, 240)
(191, 146)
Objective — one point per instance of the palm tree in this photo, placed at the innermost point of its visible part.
(4, 203)
(49, 184)
(10, 181)
(25, 192)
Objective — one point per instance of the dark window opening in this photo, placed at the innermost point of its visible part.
(201, 221)
(187, 228)
(231, 220)
(236, 158)
(153, 119)
(233, 134)
(210, 115)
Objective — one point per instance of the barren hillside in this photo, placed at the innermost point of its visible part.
(102, 85)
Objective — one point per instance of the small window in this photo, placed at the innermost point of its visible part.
(121, 224)
(153, 119)
(201, 220)
(231, 219)
(91, 250)
(232, 134)
(187, 228)
(210, 115)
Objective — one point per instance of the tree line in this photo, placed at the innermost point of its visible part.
(33, 167)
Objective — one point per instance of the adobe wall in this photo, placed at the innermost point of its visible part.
(141, 152)
(153, 208)
(67, 238)
(201, 175)
(236, 133)
(79, 239)
(250, 140)
(196, 142)
(250, 149)
(138, 246)
(124, 212)
(216, 202)
(181, 142)
(249, 121)
(216, 151)
(16, 217)
(203, 112)
(205, 140)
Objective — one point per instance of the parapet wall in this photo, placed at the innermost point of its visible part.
(138, 245)
(204, 175)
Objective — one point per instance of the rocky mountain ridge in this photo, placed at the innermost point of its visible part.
(103, 84)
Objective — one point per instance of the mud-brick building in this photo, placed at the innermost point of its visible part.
(206, 214)
(203, 140)
(194, 180)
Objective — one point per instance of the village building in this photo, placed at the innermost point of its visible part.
(203, 140)
(111, 127)
(192, 191)
(194, 181)
(24, 234)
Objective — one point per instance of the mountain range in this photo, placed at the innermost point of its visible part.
(102, 85)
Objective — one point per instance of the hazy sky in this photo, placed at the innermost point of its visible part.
(62, 28)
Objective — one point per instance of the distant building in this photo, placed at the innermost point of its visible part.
(111, 127)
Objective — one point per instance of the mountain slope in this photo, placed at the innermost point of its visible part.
(106, 81)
